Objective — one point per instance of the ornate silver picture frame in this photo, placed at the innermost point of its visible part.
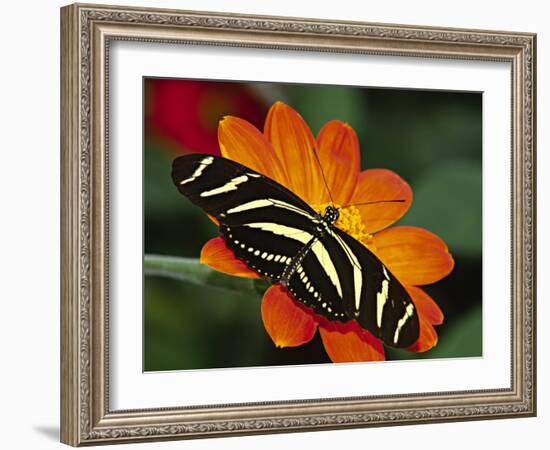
(87, 34)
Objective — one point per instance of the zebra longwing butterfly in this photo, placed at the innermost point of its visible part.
(280, 237)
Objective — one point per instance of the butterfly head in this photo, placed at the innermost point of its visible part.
(331, 215)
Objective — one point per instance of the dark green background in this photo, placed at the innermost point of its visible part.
(432, 139)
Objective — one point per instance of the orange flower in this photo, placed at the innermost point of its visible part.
(284, 152)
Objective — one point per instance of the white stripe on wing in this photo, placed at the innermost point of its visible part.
(266, 202)
(231, 185)
(199, 170)
(357, 273)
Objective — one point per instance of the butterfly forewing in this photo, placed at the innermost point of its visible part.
(283, 239)
(264, 223)
(219, 185)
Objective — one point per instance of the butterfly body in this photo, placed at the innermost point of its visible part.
(280, 237)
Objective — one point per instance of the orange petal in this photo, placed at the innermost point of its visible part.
(294, 144)
(218, 256)
(242, 142)
(429, 314)
(381, 184)
(355, 345)
(427, 338)
(339, 155)
(287, 324)
(425, 305)
(414, 255)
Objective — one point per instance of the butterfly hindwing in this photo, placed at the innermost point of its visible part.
(261, 250)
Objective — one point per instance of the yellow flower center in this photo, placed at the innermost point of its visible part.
(349, 221)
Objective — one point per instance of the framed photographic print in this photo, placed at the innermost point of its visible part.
(261, 213)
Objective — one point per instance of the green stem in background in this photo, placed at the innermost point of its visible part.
(192, 271)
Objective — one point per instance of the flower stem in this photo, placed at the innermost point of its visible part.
(192, 271)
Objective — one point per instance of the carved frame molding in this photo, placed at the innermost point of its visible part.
(86, 33)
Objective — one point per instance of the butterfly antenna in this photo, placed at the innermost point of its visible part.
(323, 174)
(374, 202)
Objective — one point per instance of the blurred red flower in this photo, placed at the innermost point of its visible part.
(184, 114)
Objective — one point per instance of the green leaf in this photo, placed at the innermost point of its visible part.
(447, 201)
(319, 104)
(463, 338)
(191, 270)
(160, 195)
(191, 326)
(411, 131)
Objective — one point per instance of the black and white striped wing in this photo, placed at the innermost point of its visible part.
(342, 280)
(264, 223)
(283, 239)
